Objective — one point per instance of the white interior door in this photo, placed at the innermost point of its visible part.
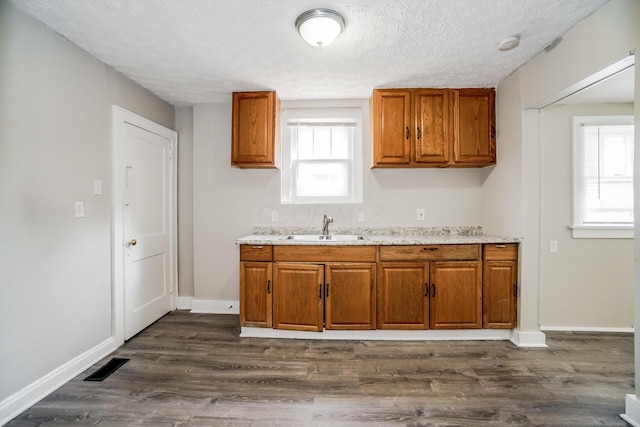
(147, 228)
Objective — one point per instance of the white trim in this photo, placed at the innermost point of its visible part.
(595, 78)
(212, 306)
(381, 334)
(601, 232)
(184, 303)
(528, 339)
(631, 410)
(120, 116)
(15, 404)
(586, 329)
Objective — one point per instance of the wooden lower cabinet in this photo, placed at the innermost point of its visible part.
(464, 286)
(456, 295)
(350, 296)
(298, 296)
(403, 301)
(255, 294)
(310, 297)
(500, 286)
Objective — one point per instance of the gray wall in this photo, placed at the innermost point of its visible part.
(588, 282)
(55, 139)
(605, 37)
(228, 202)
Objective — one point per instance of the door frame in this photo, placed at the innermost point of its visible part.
(120, 117)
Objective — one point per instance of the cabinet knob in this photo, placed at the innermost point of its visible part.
(326, 290)
(426, 289)
(433, 294)
(268, 286)
(320, 290)
(408, 134)
(419, 133)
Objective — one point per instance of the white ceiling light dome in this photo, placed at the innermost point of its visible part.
(320, 27)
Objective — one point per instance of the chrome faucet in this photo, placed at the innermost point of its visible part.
(325, 225)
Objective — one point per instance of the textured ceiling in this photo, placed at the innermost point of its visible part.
(199, 51)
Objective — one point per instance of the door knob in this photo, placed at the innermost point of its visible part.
(132, 242)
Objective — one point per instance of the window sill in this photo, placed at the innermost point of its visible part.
(601, 231)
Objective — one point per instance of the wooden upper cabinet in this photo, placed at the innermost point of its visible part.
(254, 129)
(474, 127)
(432, 123)
(433, 127)
(392, 127)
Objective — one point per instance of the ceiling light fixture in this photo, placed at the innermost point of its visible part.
(320, 27)
(509, 43)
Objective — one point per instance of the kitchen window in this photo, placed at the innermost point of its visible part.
(603, 177)
(321, 156)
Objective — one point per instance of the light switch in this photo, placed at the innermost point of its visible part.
(97, 187)
(79, 209)
(553, 246)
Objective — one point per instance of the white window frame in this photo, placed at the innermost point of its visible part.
(592, 231)
(288, 183)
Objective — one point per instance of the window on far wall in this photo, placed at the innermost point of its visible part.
(321, 156)
(603, 177)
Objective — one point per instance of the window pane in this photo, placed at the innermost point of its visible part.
(304, 143)
(340, 137)
(608, 175)
(322, 179)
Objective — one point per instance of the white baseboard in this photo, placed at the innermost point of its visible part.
(631, 410)
(380, 334)
(18, 402)
(528, 339)
(584, 329)
(184, 303)
(212, 306)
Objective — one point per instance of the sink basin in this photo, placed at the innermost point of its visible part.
(329, 238)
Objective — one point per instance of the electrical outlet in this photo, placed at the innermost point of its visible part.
(360, 217)
(553, 246)
(79, 206)
(274, 216)
(420, 215)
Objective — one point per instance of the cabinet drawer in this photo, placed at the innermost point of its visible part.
(501, 251)
(430, 253)
(256, 253)
(322, 254)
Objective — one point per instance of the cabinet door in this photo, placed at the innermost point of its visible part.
(350, 300)
(432, 126)
(499, 294)
(391, 127)
(456, 299)
(474, 127)
(403, 295)
(253, 129)
(298, 296)
(255, 294)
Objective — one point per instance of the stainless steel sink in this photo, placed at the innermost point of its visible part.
(329, 238)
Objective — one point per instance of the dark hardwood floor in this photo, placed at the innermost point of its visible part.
(193, 370)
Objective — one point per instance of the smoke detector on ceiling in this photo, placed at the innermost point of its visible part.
(509, 43)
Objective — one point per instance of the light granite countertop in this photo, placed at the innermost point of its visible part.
(377, 236)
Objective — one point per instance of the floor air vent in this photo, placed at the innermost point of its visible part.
(109, 368)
